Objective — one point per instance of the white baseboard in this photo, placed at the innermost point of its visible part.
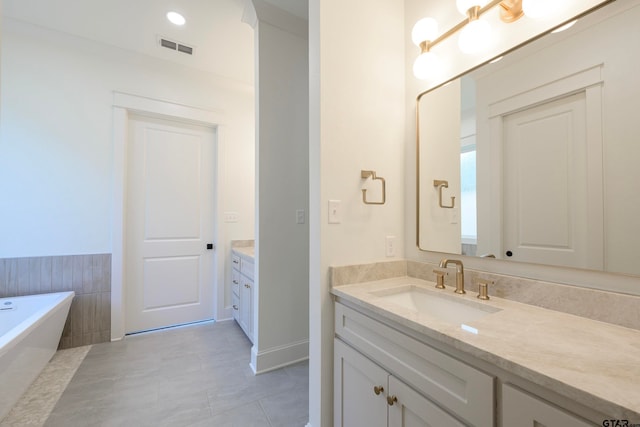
(278, 357)
(227, 313)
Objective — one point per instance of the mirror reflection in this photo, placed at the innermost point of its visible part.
(541, 151)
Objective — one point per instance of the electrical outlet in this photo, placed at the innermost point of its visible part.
(390, 246)
(335, 212)
(300, 216)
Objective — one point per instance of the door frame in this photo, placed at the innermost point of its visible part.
(124, 105)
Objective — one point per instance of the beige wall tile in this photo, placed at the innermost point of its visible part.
(89, 320)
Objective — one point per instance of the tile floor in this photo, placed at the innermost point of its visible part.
(191, 376)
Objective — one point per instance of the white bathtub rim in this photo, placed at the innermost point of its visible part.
(16, 334)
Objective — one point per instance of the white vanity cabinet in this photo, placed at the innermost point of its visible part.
(242, 287)
(370, 396)
(425, 387)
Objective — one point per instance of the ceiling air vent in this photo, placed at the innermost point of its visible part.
(174, 45)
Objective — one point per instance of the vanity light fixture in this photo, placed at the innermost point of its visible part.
(176, 18)
(427, 64)
(475, 33)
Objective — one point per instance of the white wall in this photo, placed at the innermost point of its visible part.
(56, 148)
(357, 119)
(281, 320)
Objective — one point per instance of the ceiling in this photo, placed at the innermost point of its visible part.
(222, 43)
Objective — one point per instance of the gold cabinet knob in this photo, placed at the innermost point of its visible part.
(378, 389)
(391, 400)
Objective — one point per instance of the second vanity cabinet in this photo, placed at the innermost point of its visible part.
(384, 377)
(242, 286)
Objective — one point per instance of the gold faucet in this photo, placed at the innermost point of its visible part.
(459, 273)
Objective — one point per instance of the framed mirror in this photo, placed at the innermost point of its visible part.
(540, 151)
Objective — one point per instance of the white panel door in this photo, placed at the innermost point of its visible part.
(545, 183)
(169, 222)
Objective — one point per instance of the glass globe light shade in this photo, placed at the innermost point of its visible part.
(539, 8)
(425, 29)
(426, 65)
(465, 5)
(475, 37)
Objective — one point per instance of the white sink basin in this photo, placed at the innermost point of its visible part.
(453, 309)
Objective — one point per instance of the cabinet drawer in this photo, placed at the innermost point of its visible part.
(235, 282)
(235, 261)
(456, 386)
(246, 268)
(520, 409)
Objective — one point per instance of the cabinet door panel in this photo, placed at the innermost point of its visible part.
(355, 402)
(523, 410)
(414, 410)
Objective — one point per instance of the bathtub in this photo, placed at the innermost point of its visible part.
(30, 329)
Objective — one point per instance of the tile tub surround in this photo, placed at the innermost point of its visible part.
(611, 307)
(89, 276)
(593, 363)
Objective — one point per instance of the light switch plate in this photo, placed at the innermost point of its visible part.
(300, 217)
(335, 212)
(455, 215)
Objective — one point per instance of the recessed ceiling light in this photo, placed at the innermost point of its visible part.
(564, 27)
(176, 18)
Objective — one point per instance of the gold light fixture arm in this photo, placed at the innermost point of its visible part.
(372, 174)
(510, 11)
(440, 184)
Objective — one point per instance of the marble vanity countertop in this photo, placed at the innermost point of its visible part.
(594, 363)
(247, 252)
